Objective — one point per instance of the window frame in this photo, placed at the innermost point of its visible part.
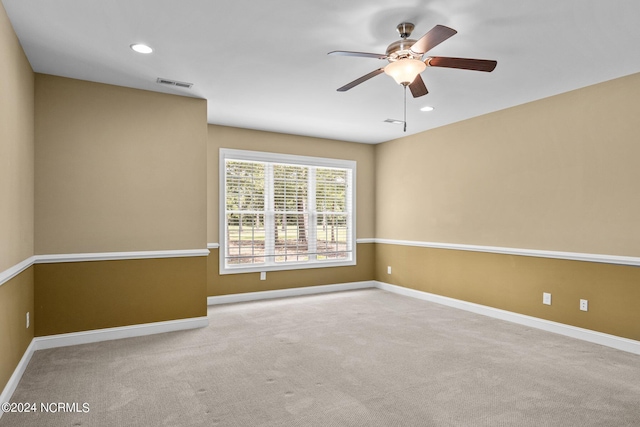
(287, 159)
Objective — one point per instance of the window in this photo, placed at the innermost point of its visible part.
(280, 212)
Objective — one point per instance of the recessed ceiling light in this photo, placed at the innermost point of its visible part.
(426, 108)
(141, 48)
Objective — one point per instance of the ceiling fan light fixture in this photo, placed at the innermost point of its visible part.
(404, 71)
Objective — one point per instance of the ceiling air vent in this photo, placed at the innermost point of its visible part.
(168, 82)
(394, 121)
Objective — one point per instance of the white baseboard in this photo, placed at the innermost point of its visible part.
(107, 334)
(11, 385)
(62, 340)
(282, 293)
(613, 341)
(97, 335)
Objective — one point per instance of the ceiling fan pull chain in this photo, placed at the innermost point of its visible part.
(405, 108)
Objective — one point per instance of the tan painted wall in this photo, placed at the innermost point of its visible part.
(16, 149)
(81, 296)
(117, 169)
(16, 299)
(516, 283)
(245, 139)
(16, 197)
(558, 174)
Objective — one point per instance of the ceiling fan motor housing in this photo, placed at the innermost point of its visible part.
(401, 49)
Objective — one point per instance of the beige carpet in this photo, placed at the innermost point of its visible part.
(358, 358)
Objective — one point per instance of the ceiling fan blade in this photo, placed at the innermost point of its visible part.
(462, 63)
(418, 88)
(433, 38)
(360, 54)
(362, 79)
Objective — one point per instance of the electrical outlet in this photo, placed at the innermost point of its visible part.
(389, 270)
(263, 275)
(27, 320)
(546, 298)
(584, 305)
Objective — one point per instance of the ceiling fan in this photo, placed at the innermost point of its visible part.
(406, 60)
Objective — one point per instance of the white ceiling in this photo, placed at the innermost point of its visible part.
(264, 64)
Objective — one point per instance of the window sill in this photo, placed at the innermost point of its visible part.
(287, 267)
